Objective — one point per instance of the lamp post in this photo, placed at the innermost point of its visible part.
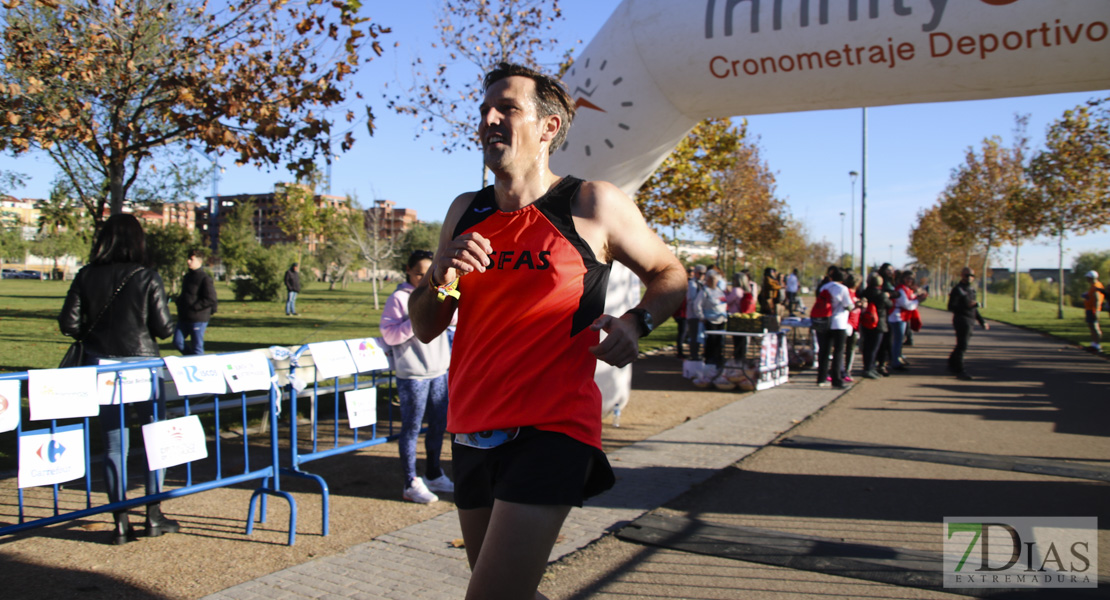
(863, 199)
(853, 175)
(841, 258)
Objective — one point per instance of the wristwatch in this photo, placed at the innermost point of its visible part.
(643, 320)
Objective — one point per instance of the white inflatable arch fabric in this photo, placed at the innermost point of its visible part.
(657, 67)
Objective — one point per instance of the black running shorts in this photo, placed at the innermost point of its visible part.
(538, 467)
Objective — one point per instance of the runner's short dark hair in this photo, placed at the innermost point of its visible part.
(551, 97)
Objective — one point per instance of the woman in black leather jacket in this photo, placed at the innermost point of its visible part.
(126, 329)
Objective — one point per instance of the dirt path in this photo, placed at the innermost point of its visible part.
(213, 553)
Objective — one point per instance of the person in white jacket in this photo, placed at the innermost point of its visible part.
(836, 335)
(421, 387)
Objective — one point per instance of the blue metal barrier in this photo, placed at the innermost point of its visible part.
(297, 458)
(269, 474)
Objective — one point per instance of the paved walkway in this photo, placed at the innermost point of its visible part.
(420, 562)
(1034, 400)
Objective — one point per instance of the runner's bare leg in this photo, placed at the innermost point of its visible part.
(508, 547)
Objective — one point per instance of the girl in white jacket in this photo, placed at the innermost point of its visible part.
(421, 387)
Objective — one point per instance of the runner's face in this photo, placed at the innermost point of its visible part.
(510, 129)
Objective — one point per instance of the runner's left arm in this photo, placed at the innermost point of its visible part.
(605, 209)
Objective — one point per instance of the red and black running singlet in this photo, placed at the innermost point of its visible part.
(521, 351)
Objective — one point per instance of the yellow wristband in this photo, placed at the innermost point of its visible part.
(445, 290)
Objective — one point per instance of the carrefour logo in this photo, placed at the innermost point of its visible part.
(930, 12)
(51, 451)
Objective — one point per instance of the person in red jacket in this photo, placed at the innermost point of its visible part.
(852, 341)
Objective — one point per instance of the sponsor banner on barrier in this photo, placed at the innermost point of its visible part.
(246, 371)
(9, 405)
(174, 442)
(362, 407)
(47, 458)
(369, 354)
(133, 386)
(196, 375)
(774, 361)
(1020, 552)
(62, 393)
(333, 359)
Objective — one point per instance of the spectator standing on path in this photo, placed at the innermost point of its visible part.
(526, 262)
(832, 339)
(852, 340)
(905, 309)
(769, 297)
(965, 311)
(195, 305)
(123, 301)
(882, 358)
(739, 300)
(792, 291)
(873, 327)
(734, 297)
(1093, 302)
(421, 386)
(292, 288)
(695, 317)
(750, 305)
(714, 307)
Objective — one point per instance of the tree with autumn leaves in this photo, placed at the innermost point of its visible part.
(994, 198)
(744, 216)
(716, 178)
(104, 87)
(979, 197)
(690, 175)
(1070, 191)
(939, 247)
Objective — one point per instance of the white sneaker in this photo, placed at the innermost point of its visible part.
(441, 484)
(418, 492)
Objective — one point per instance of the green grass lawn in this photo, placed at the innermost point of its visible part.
(30, 339)
(1038, 316)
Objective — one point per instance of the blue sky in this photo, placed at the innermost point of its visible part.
(912, 148)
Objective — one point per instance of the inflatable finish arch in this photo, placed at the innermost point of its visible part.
(657, 67)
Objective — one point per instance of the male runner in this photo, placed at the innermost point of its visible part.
(530, 256)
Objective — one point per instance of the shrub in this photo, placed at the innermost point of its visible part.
(1047, 291)
(1027, 290)
(265, 274)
